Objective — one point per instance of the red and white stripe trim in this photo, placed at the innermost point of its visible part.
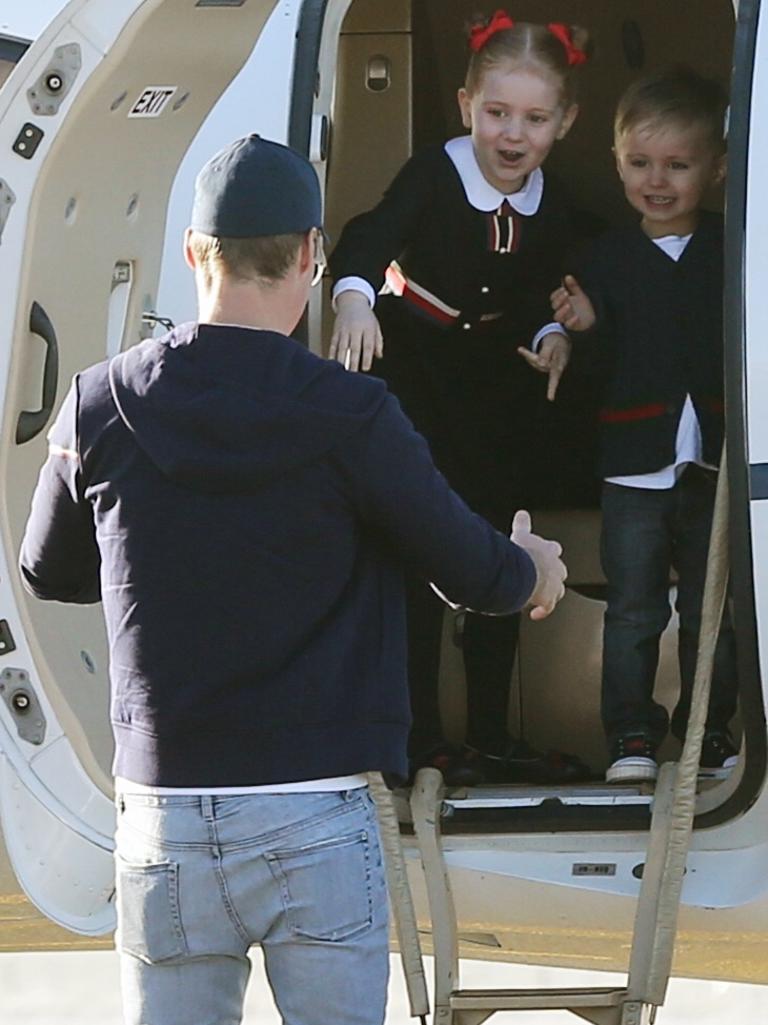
(400, 285)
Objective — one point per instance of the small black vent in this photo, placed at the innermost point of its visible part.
(27, 141)
(7, 643)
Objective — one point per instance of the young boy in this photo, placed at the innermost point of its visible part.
(654, 291)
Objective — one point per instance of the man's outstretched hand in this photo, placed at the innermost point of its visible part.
(550, 568)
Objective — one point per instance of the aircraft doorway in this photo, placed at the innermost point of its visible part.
(399, 66)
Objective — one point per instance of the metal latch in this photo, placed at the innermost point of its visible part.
(7, 199)
(22, 702)
(121, 273)
(378, 73)
(46, 95)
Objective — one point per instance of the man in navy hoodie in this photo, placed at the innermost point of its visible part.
(244, 510)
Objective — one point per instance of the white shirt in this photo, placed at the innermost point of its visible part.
(688, 440)
(310, 786)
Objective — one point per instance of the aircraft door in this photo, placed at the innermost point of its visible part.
(94, 121)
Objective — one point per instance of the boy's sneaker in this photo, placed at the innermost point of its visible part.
(633, 760)
(719, 754)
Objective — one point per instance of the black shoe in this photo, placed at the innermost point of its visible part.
(521, 763)
(718, 751)
(459, 765)
(633, 760)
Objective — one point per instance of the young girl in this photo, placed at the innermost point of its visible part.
(479, 235)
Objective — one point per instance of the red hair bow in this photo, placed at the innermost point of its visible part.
(479, 34)
(563, 33)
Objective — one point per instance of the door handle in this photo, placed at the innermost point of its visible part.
(32, 421)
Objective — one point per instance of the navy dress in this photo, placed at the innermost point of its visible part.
(478, 287)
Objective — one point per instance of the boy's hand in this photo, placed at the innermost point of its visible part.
(552, 358)
(572, 307)
(550, 568)
(356, 337)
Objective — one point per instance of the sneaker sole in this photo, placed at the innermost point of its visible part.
(632, 770)
(718, 771)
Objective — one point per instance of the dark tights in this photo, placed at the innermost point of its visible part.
(478, 406)
(489, 648)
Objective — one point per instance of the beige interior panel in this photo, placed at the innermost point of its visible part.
(372, 140)
(6, 67)
(371, 124)
(366, 16)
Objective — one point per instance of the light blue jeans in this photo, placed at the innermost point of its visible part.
(201, 879)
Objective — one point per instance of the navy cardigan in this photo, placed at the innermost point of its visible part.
(659, 337)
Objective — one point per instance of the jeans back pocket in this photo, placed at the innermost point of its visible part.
(326, 886)
(148, 917)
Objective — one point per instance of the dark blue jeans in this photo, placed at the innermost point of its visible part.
(646, 533)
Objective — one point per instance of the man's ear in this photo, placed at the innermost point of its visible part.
(189, 255)
(465, 106)
(568, 118)
(306, 255)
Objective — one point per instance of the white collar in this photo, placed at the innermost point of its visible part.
(480, 193)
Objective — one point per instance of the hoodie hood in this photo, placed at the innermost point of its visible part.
(221, 408)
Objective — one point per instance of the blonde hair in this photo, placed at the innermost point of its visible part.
(267, 258)
(679, 95)
(524, 44)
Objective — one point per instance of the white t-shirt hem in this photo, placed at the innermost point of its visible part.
(310, 786)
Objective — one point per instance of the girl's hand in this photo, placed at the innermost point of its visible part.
(552, 358)
(572, 307)
(356, 337)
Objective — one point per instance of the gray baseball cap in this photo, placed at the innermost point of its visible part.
(256, 187)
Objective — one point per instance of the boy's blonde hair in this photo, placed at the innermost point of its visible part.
(678, 95)
(265, 259)
(527, 44)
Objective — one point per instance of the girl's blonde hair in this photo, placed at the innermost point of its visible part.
(526, 43)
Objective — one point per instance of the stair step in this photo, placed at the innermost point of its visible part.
(478, 798)
(535, 999)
